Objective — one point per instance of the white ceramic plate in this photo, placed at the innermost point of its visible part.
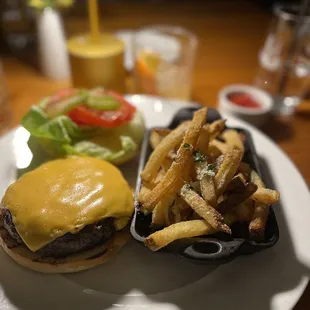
(139, 279)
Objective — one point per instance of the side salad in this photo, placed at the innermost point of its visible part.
(96, 122)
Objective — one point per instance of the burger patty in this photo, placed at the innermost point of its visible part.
(67, 244)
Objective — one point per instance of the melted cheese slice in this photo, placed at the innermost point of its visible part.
(63, 196)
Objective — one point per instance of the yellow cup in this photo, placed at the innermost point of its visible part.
(97, 63)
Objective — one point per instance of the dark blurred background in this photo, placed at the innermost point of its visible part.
(17, 32)
(217, 24)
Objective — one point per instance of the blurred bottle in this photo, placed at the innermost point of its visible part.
(16, 24)
(273, 58)
(5, 109)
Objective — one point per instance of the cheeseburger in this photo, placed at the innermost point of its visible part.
(67, 215)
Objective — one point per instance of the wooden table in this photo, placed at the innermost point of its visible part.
(230, 35)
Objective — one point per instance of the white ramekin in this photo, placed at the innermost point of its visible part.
(256, 117)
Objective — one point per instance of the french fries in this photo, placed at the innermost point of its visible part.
(155, 139)
(186, 229)
(207, 187)
(167, 164)
(175, 176)
(216, 128)
(208, 190)
(179, 211)
(227, 170)
(201, 207)
(233, 140)
(203, 142)
(157, 157)
(160, 212)
(162, 132)
(266, 196)
(263, 197)
(244, 211)
(145, 189)
(218, 147)
(237, 184)
(259, 220)
(254, 177)
(195, 184)
(245, 169)
(237, 197)
(160, 175)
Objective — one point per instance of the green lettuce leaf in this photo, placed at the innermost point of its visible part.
(54, 133)
(87, 148)
(60, 136)
(34, 119)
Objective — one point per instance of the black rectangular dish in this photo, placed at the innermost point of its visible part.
(217, 248)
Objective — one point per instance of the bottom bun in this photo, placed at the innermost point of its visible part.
(73, 263)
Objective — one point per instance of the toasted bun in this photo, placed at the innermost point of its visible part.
(73, 263)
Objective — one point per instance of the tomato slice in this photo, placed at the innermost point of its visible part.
(84, 115)
(89, 116)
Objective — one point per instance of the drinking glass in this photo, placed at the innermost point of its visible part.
(5, 109)
(284, 60)
(164, 58)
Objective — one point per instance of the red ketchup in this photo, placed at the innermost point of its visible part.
(244, 100)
